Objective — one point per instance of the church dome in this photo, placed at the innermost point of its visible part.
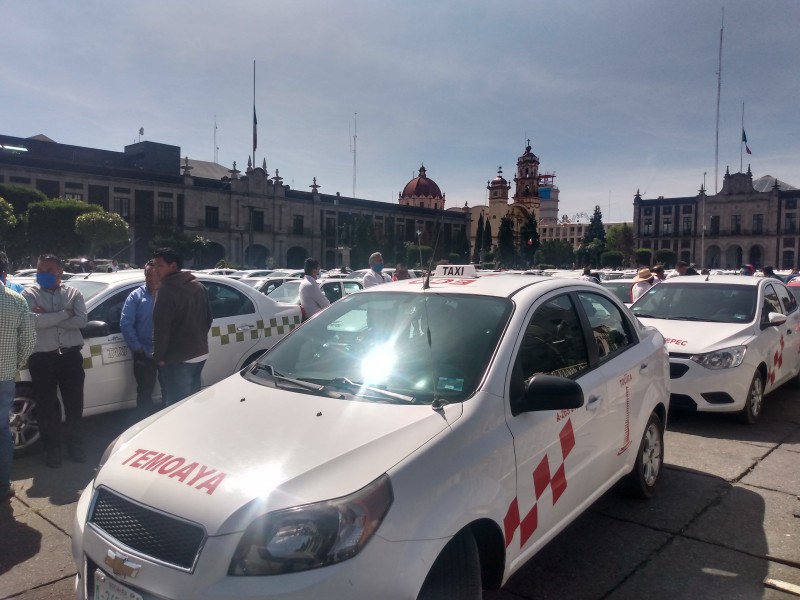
(421, 187)
(499, 181)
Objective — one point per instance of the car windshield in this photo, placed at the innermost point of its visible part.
(717, 303)
(87, 287)
(621, 289)
(423, 347)
(287, 292)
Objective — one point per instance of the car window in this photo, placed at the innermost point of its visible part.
(110, 310)
(720, 303)
(771, 302)
(412, 344)
(612, 331)
(88, 288)
(553, 342)
(787, 300)
(351, 286)
(288, 291)
(332, 291)
(226, 301)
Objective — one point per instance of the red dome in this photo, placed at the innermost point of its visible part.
(421, 187)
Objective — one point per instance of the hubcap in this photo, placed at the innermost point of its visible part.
(651, 455)
(756, 397)
(24, 427)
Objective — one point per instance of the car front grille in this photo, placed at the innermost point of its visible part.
(682, 402)
(677, 370)
(154, 534)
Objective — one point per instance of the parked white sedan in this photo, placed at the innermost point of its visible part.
(731, 339)
(246, 323)
(419, 439)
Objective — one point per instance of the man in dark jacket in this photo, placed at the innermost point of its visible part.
(181, 320)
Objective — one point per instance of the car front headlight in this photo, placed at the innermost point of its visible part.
(314, 535)
(726, 358)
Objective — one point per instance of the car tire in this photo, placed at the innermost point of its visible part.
(456, 573)
(755, 400)
(642, 480)
(24, 426)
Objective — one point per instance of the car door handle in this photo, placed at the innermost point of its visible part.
(245, 327)
(593, 402)
(643, 368)
(788, 332)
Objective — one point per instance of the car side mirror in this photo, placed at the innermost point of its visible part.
(96, 329)
(548, 392)
(775, 318)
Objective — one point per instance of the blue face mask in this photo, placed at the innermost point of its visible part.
(46, 280)
(378, 267)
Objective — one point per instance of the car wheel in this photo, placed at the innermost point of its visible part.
(641, 481)
(755, 401)
(456, 574)
(24, 426)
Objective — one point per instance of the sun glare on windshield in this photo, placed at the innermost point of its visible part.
(378, 364)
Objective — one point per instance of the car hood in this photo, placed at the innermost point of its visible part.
(696, 337)
(239, 449)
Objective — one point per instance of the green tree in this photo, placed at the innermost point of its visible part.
(419, 256)
(596, 230)
(51, 226)
(20, 197)
(529, 239)
(611, 259)
(364, 242)
(7, 219)
(644, 256)
(619, 238)
(505, 242)
(557, 252)
(462, 246)
(104, 230)
(593, 251)
(487, 238)
(666, 257)
(476, 257)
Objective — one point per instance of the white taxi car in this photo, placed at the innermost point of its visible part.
(731, 339)
(246, 323)
(417, 438)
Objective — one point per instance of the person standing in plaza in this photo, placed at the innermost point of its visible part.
(136, 324)
(56, 365)
(312, 300)
(181, 321)
(401, 272)
(374, 276)
(17, 338)
(14, 287)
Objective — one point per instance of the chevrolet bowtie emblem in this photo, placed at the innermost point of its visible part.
(121, 566)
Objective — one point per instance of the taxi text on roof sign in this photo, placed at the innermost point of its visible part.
(455, 271)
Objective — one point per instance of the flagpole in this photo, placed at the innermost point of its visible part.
(255, 122)
(719, 91)
(741, 144)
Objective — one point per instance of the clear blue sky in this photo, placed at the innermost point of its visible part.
(616, 95)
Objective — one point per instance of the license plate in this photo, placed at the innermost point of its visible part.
(106, 588)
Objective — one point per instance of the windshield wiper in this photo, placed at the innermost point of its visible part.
(344, 381)
(306, 385)
(646, 316)
(686, 319)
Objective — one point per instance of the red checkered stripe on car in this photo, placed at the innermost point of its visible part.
(542, 479)
(777, 362)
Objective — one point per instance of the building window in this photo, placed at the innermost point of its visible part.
(667, 226)
(297, 224)
(791, 204)
(758, 224)
(648, 227)
(667, 210)
(258, 220)
(73, 196)
(648, 211)
(165, 213)
(122, 206)
(212, 217)
(687, 226)
(714, 225)
(736, 224)
(687, 209)
(790, 225)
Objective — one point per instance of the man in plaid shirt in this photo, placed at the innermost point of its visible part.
(17, 338)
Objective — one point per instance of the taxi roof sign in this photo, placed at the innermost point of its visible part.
(455, 271)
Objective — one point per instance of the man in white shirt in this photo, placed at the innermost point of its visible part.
(374, 275)
(312, 300)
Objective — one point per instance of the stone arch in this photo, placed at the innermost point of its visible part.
(686, 256)
(330, 259)
(787, 260)
(211, 255)
(295, 256)
(756, 256)
(713, 257)
(256, 256)
(733, 257)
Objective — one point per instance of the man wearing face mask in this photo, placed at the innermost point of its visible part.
(59, 313)
(374, 276)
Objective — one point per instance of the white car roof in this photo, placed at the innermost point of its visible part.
(726, 279)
